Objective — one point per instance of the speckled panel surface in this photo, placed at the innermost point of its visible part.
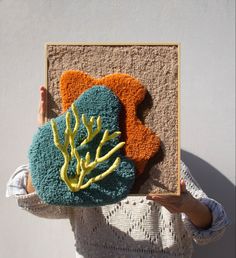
(156, 66)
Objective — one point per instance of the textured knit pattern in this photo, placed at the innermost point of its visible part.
(46, 159)
(134, 227)
(131, 93)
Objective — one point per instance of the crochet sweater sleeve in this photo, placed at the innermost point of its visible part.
(33, 204)
(219, 217)
(16, 187)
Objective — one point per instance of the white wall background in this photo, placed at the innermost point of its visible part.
(205, 29)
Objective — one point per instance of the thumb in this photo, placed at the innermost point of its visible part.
(182, 186)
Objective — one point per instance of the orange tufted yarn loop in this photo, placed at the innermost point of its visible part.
(141, 142)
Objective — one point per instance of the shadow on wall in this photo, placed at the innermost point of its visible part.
(218, 187)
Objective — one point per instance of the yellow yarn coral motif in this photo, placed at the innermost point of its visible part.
(84, 166)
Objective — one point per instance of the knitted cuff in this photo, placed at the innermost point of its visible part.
(217, 228)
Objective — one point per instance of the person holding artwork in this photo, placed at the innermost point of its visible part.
(162, 226)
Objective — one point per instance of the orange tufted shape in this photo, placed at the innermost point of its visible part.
(141, 142)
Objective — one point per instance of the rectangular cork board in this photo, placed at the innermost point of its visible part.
(157, 67)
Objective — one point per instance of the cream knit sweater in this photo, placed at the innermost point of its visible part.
(134, 227)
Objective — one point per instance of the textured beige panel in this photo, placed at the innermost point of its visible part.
(157, 68)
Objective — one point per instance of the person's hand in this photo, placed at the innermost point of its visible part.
(42, 106)
(41, 121)
(29, 186)
(198, 213)
(173, 203)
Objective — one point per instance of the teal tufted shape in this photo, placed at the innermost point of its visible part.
(46, 159)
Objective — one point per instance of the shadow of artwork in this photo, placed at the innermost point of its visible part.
(143, 183)
(144, 107)
(218, 187)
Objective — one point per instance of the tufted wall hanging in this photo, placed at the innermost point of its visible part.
(145, 80)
